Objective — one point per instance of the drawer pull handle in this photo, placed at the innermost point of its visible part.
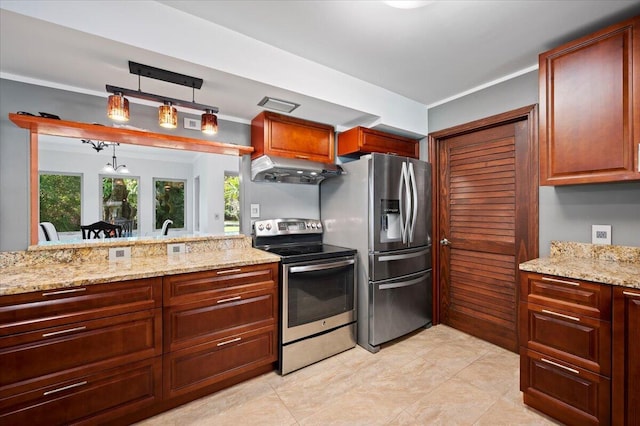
(55, 293)
(237, 339)
(229, 271)
(70, 330)
(554, 280)
(303, 157)
(229, 299)
(64, 388)
(573, 370)
(561, 315)
(630, 293)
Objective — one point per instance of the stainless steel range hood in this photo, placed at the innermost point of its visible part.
(291, 170)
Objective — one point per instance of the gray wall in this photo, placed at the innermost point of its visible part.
(275, 200)
(567, 212)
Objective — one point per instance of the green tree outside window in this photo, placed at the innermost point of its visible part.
(170, 201)
(60, 201)
(231, 204)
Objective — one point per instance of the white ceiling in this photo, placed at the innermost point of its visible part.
(427, 55)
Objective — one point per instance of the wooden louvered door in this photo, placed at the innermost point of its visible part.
(487, 210)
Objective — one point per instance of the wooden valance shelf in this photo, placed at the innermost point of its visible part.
(72, 129)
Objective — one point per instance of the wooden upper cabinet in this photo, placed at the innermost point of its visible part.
(289, 137)
(360, 140)
(590, 108)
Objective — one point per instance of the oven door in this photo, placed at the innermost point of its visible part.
(317, 296)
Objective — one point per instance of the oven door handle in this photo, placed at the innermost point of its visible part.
(322, 266)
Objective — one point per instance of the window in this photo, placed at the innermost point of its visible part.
(170, 202)
(60, 200)
(231, 203)
(120, 202)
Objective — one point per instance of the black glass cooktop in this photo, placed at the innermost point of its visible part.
(305, 253)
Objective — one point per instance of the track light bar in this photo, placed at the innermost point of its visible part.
(157, 98)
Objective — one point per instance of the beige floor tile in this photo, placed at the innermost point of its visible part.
(505, 413)
(455, 402)
(436, 376)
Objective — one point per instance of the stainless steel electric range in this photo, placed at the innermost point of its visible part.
(317, 291)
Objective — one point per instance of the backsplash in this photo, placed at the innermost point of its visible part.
(611, 253)
(99, 251)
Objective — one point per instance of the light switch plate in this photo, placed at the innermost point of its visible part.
(176, 248)
(191, 123)
(117, 254)
(600, 234)
(255, 210)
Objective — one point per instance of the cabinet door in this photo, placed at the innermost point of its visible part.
(49, 308)
(360, 140)
(86, 397)
(626, 356)
(189, 370)
(578, 340)
(589, 108)
(289, 137)
(567, 393)
(567, 294)
(105, 343)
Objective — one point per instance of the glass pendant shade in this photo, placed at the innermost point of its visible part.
(168, 116)
(209, 122)
(118, 107)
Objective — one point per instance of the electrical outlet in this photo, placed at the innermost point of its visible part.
(255, 210)
(117, 254)
(176, 248)
(600, 234)
(191, 123)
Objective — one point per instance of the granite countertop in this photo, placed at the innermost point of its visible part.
(615, 265)
(23, 277)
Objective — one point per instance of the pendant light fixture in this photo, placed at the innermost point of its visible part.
(167, 113)
(113, 167)
(118, 107)
(209, 122)
(167, 116)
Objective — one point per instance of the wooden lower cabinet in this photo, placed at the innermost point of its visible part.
(565, 348)
(626, 356)
(81, 355)
(217, 325)
(95, 354)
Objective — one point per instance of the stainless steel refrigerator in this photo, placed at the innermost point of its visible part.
(382, 207)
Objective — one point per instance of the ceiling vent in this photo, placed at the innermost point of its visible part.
(278, 104)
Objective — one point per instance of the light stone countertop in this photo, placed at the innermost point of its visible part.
(24, 272)
(615, 265)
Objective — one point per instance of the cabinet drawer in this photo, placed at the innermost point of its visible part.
(218, 284)
(567, 294)
(106, 342)
(578, 340)
(25, 312)
(567, 393)
(200, 366)
(91, 398)
(194, 323)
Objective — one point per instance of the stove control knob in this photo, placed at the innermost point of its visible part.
(260, 227)
(268, 226)
(319, 225)
(313, 225)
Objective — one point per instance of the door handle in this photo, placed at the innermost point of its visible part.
(445, 242)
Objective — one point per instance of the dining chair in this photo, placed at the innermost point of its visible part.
(165, 226)
(47, 232)
(101, 229)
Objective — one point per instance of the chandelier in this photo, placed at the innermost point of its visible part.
(113, 166)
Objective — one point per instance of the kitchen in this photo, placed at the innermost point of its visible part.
(565, 213)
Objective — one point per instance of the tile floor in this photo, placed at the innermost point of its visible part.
(438, 376)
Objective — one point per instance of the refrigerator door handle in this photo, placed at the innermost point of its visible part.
(403, 191)
(392, 257)
(414, 202)
(401, 284)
